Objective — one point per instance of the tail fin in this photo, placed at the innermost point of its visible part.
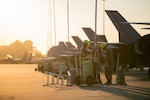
(103, 38)
(24, 58)
(78, 41)
(126, 31)
(69, 44)
(30, 57)
(91, 34)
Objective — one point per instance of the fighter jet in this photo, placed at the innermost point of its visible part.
(11, 60)
(61, 49)
(125, 47)
(135, 48)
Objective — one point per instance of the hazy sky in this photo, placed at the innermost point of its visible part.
(28, 19)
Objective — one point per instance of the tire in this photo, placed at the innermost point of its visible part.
(78, 80)
(141, 68)
(89, 80)
(35, 69)
(149, 71)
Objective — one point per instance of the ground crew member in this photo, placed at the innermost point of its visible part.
(84, 50)
(96, 64)
(108, 62)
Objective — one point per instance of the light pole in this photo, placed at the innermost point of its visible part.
(68, 18)
(68, 30)
(54, 21)
(95, 23)
(49, 27)
(103, 17)
(50, 24)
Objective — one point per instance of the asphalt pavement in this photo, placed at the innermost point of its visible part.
(22, 82)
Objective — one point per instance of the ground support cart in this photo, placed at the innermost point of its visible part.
(86, 72)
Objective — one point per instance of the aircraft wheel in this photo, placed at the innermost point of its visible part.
(35, 69)
(42, 70)
(89, 80)
(78, 80)
(149, 71)
(141, 68)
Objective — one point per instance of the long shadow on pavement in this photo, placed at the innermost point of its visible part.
(131, 92)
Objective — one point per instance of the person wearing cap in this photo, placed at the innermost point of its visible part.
(107, 53)
(84, 50)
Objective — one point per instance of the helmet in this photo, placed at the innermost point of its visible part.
(103, 45)
(86, 42)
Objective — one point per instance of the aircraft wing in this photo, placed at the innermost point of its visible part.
(146, 28)
(140, 23)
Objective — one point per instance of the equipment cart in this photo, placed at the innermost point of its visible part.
(85, 71)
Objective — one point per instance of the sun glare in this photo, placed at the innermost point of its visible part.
(28, 19)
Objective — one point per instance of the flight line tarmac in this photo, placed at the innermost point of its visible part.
(21, 82)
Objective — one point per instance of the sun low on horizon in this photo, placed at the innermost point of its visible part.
(23, 20)
(30, 19)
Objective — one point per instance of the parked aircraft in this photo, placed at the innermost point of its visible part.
(11, 60)
(61, 49)
(26, 59)
(135, 48)
(29, 59)
(132, 47)
(62, 53)
(129, 46)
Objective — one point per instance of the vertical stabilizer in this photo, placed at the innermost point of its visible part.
(69, 44)
(29, 58)
(126, 31)
(24, 58)
(103, 38)
(78, 41)
(91, 34)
